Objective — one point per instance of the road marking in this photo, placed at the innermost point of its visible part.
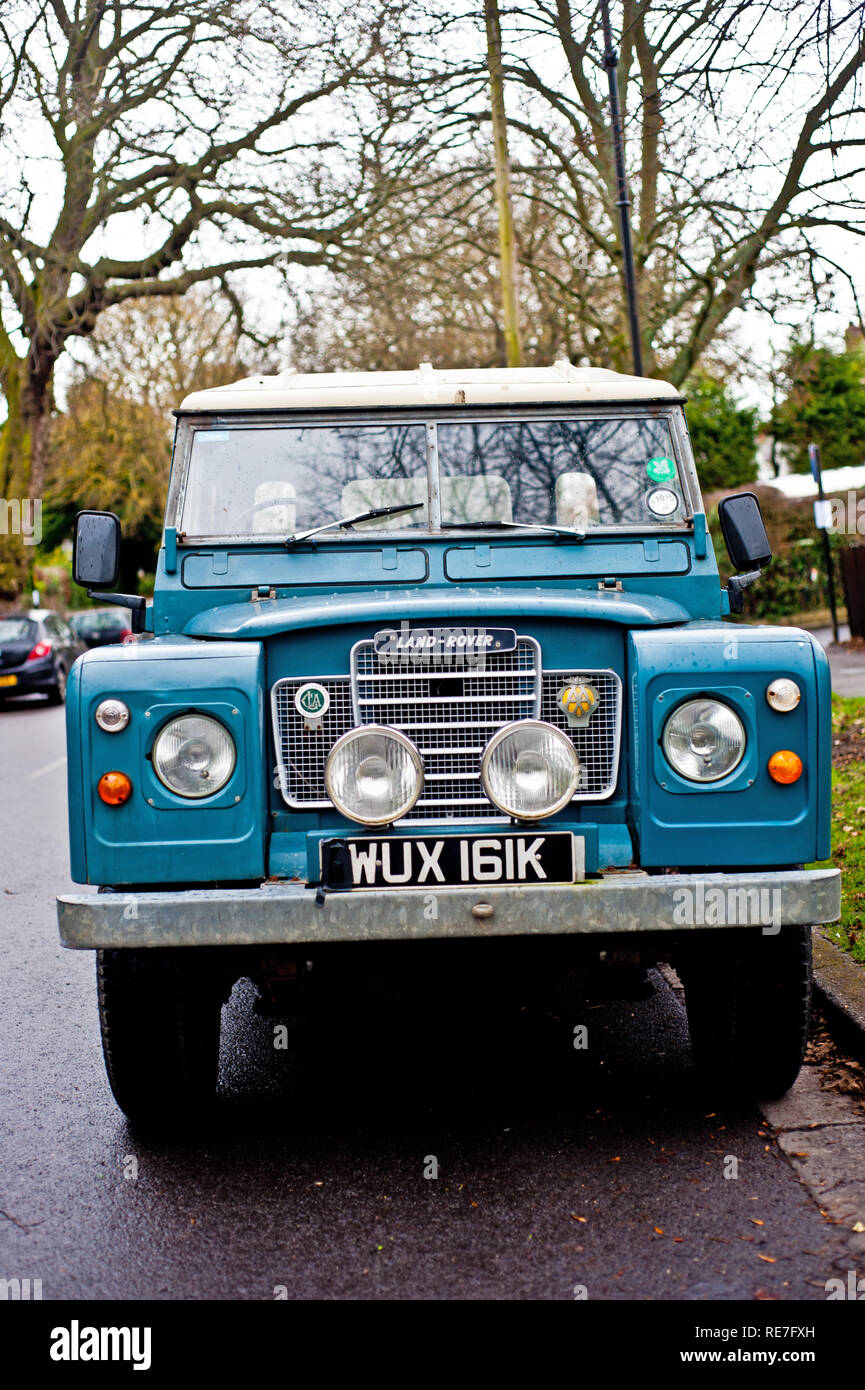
(49, 767)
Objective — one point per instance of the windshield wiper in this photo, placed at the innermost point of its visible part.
(569, 531)
(346, 522)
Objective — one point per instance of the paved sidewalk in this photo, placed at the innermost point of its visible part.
(848, 668)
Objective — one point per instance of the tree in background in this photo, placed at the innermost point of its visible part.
(824, 404)
(110, 449)
(743, 129)
(428, 288)
(428, 284)
(149, 147)
(723, 435)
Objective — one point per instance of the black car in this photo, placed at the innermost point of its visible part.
(99, 627)
(37, 650)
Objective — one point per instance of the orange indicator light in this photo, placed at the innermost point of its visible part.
(785, 767)
(114, 788)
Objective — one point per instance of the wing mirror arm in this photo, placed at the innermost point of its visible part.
(736, 585)
(134, 602)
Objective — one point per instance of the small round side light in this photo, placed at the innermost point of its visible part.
(112, 716)
(114, 788)
(785, 767)
(783, 695)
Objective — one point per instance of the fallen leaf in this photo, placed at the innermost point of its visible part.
(474, 1204)
(583, 1219)
(677, 1240)
(755, 1222)
(657, 1230)
(766, 1297)
(769, 1259)
(859, 1227)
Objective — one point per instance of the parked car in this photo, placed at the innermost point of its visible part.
(37, 650)
(100, 627)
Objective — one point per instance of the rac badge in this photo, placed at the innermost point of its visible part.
(312, 703)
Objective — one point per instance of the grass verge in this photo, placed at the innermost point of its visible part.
(848, 822)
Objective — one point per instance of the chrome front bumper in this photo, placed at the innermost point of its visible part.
(287, 913)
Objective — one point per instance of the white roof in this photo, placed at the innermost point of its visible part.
(562, 383)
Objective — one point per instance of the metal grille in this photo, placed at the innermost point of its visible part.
(300, 754)
(597, 745)
(450, 714)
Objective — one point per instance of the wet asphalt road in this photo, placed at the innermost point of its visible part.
(312, 1180)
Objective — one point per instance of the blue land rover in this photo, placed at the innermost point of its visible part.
(443, 654)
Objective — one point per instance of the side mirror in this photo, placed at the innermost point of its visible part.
(744, 531)
(96, 550)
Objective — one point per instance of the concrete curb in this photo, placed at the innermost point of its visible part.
(839, 985)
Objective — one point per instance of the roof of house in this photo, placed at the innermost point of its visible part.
(561, 383)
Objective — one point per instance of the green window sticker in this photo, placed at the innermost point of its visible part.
(661, 470)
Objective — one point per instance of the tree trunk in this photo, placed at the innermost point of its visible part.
(23, 451)
(504, 201)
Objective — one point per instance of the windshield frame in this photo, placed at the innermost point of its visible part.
(672, 413)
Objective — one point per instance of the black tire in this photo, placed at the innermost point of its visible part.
(57, 696)
(748, 997)
(159, 1011)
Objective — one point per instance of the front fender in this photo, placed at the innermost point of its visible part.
(157, 837)
(745, 818)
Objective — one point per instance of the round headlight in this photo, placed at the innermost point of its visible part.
(194, 755)
(783, 695)
(530, 770)
(374, 775)
(704, 740)
(112, 716)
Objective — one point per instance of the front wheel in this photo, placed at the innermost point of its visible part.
(748, 996)
(159, 1012)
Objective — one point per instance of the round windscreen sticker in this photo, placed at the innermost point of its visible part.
(663, 501)
(661, 470)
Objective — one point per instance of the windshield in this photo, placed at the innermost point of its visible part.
(280, 479)
(284, 478)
